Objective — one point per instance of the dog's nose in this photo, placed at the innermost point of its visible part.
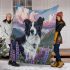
(32, 31)
(34, 46)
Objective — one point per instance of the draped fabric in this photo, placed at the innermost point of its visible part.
(45, 47)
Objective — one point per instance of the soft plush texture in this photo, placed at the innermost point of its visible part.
(34, 30)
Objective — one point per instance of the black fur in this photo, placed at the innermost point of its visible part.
(38, 25)
(21, 40)
(27, 27)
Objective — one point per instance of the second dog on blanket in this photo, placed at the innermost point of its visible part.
(32, 38)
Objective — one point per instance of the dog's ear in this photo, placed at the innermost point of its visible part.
(39, 25)
(27, 21)
(40, 20)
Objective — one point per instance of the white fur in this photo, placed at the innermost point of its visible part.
(28, 46)
(33, 28)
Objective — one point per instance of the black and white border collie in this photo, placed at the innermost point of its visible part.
(32, 38)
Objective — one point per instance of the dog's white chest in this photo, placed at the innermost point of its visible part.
(31, 46)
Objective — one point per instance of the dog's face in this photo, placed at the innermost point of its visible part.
(33, 28)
